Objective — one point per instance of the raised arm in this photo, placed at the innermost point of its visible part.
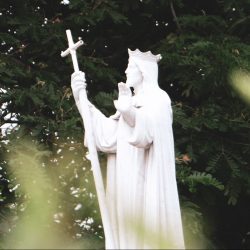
(104, 128)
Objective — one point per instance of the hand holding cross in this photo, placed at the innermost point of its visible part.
(85, 113)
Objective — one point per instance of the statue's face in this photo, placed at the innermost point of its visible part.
(134, 75)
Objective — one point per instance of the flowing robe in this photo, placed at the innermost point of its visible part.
(141, 187)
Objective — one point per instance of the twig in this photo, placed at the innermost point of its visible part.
(175, 17)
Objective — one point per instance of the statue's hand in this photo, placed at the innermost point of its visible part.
(78, 82)
(124, 102)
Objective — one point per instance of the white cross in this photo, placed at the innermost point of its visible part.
(85, 113)
(72, 50)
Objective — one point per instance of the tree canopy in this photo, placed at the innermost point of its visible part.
(202, 44)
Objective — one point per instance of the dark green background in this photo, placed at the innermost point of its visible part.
(201, 42)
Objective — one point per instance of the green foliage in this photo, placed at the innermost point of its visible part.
(203, 178)
(45, 191)
(202, 43)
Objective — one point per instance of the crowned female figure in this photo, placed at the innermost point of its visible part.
(141, 189)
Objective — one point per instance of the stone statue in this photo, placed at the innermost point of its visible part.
(141, 191)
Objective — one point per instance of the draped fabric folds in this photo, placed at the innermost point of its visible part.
(141, 187)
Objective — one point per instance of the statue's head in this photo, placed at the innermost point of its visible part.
(142, 68)
(134, 74)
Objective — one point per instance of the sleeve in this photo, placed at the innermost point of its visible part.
(142, 133)
(105, 131)
(150, 118)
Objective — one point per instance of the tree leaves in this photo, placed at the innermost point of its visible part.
(211, 123)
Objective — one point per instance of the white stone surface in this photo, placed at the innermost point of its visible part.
(141, 190)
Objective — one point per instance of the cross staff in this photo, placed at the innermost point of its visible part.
(85, 113)
(72, 50)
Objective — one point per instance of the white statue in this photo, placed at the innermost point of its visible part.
(141, 192)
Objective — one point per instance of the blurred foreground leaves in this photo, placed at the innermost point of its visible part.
(46, 196)
(240, 81)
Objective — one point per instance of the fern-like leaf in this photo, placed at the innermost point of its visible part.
(204, 179)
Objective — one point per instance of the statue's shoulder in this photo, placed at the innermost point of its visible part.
(163, 96)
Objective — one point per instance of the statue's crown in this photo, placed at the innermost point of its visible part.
(148, 56)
